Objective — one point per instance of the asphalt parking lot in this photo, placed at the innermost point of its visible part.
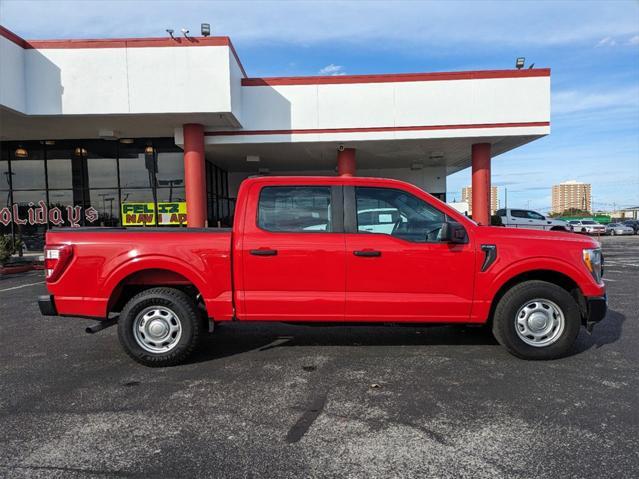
(291, 401)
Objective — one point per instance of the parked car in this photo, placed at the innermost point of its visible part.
(587, 227)
(166, 287)
(634, 224)
(618, 229)
(530, 219)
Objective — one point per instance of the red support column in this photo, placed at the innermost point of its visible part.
(481, 183)
(346, 162)
(194, 175)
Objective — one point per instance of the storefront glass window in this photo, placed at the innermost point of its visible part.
(137, 195)
(60, 198)
(31, 234)
(102, 164)
(27, 167)
(106, 202)
(136, 168)
(171, 194)
(170, 167)
(86, 183)
(60, 172)
(4, 175)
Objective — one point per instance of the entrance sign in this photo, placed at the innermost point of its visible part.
(143, 214)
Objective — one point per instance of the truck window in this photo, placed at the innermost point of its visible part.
(397, 213)
(535, 216)
(518, 213)
(295, 209)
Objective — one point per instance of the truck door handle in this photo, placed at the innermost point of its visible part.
(263, 252)
(367, 253)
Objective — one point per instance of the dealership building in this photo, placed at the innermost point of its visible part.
(143, 131)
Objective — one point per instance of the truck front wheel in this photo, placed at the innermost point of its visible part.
(537, 320)
(160, 327)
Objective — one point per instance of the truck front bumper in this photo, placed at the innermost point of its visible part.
(597, 306)
(47, 305)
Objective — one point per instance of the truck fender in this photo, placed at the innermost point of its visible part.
(135, 265)
(529, 265)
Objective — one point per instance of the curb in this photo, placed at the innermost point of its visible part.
(13, 269)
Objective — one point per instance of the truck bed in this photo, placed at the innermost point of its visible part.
(106, 259)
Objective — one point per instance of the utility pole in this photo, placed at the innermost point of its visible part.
(506, 198)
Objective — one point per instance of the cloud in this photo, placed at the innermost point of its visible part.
(573, 101)
(333, 70)
(607, 42)
(399, 24)
(633, 40)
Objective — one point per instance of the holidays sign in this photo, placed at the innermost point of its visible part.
(42, 214)
(143, 214)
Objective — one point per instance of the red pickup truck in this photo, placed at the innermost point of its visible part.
(327, 250)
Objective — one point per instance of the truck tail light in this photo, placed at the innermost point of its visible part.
(56, 259)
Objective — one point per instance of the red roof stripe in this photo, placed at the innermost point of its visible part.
(396, 77)
(375, 129)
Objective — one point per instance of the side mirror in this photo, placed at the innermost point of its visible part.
(453, 232)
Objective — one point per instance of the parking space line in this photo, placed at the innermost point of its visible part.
(21, 286)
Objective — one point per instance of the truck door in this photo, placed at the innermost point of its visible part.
(407, 273)
(293, 254)
(538, 221)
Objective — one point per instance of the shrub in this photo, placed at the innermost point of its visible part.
(7, 247)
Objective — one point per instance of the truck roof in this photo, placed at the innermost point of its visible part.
(332, 180)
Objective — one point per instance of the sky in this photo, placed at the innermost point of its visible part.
(592, 48)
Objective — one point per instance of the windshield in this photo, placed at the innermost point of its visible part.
(589, 223)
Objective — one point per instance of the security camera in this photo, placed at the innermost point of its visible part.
(185, 32)
(340, 148)
(170, 32)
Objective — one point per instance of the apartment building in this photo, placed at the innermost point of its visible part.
(467, 196)
(571, 195)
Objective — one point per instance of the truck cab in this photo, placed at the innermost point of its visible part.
(328, 250)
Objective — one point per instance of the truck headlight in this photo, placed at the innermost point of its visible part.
(593, 259)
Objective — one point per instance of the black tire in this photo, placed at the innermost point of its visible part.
(505, 319)
(186, 312)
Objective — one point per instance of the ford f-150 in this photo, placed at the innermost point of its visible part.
(302, 250)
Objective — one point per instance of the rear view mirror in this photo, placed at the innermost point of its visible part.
(453, 232)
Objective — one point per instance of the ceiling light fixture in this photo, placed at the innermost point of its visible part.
(21, 152)
(80, 152)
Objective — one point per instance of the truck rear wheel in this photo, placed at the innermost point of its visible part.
(160, 327)
(537, 320)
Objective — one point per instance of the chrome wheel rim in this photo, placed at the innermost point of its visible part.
(539, 323)
(157, 329)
